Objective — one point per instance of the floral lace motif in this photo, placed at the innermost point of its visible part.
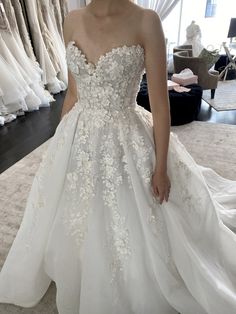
(113, 83)
(38, 203)
(104, 168)
(107, 134)
(190, 202)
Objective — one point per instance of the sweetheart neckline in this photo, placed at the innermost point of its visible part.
(88, 63)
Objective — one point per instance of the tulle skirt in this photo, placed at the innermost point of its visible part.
(93, 226)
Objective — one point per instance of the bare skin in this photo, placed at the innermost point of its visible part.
(106, 24)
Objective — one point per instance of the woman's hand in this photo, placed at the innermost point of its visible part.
(161, 185)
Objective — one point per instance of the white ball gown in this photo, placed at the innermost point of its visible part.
(92, 224)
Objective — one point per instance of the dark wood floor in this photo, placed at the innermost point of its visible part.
(21, 136)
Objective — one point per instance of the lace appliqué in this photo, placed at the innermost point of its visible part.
(112, 176)
(104, 167)
(185, 177)
(79, 185)
(117, 233)
(37, 201)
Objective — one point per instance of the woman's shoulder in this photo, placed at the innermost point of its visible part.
(150, 26)
(150, 15)
(146, 18)
(150, 21)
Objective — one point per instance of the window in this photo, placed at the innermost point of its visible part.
(210, 8)
(214, 30)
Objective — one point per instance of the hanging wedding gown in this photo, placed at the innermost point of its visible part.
(64, 8)
(92, 224)
(10, 102)
(16, 96)
(43, 45)
(13, 41)
(59, 20)
(24, 35)
(47, 11)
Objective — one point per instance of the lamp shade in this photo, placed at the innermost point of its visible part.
(232, 28)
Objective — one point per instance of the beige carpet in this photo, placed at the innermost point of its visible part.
(212, 145)
(225, 96)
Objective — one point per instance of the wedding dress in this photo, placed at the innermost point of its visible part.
(31, 68)
(59, 20)
(23, 32)
(92, 224)
(10, 102)
(48, 17)
(41, 37)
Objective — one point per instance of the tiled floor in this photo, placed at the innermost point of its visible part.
(21, 136)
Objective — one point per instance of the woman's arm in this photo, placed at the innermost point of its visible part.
(156, 73)
(72, 93)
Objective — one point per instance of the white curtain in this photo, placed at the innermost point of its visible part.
(76, 4)
(162, 7)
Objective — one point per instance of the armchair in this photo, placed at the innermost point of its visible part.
(207, 79)
(188, 48)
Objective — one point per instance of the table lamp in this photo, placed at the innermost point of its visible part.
(232, 29)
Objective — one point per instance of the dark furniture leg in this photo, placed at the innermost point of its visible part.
(212, 93)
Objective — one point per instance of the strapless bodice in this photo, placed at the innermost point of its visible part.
(110, 84)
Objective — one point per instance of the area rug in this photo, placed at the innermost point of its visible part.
(210, 144)
(225, 96)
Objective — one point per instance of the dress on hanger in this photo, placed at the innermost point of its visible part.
(23, 29)
(56, 45)
(58, 17)
(193, 37)
(16, 94)
(10, 101)
(64, 8)
(14, 44)
(92, 224)
(39, 32)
